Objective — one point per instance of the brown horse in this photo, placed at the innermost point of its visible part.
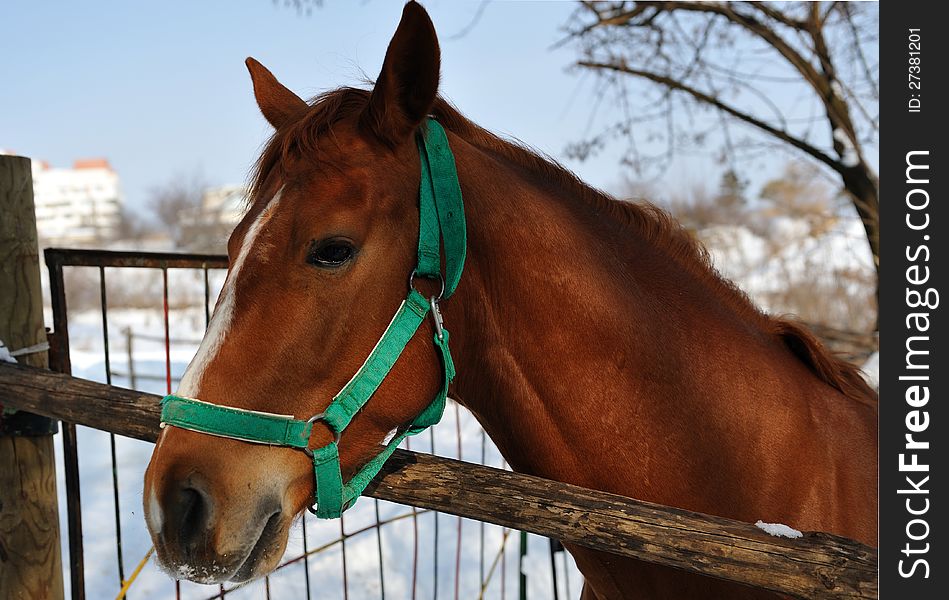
(594, 342)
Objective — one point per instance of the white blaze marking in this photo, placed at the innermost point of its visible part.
(154, 513)
(224, 313)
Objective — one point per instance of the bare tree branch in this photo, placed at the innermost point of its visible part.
(776, 15)
(874, 86)
(649, 41)
(731, 110)
(479, 12)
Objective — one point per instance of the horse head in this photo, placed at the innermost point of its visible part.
(317, 267)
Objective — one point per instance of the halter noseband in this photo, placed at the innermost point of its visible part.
(441, 220)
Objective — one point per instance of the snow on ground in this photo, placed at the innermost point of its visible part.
(871, 370)
(436, 561)
(787, 255)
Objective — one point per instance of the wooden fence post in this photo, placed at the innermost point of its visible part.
(30, 553)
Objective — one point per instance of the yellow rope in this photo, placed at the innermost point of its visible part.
(128, 582)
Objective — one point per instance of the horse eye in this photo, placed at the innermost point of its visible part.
(330, 253)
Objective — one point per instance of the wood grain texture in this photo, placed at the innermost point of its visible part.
(30, 559)
(21, 297)
(816, 566)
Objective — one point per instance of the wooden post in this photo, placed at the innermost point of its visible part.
(30, 555)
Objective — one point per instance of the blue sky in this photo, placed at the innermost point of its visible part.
(160, 88)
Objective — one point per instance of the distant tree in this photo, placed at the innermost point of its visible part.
(680, 70)
(786, 232)
(801, 194)
(131, 225)
(173, 200)
(838, 298)
(696, 209)
(731, 190)
(208, 228)
(696, 206)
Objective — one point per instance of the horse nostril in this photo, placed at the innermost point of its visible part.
(191, 511)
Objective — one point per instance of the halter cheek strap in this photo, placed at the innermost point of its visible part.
(441, 220)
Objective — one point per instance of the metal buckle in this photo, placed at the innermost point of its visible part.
(345, 507)
(441, 281)
(437, 317)
(320, 417)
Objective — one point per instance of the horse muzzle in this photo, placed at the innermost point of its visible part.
(232, 526)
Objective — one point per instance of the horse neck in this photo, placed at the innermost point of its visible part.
(574, 337)
(539, 289)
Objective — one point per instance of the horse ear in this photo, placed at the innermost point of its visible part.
(278, 104)
(406, 88)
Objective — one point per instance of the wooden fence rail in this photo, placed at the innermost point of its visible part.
(818, 565)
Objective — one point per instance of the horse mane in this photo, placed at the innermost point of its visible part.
(303, 137)
(649, 222)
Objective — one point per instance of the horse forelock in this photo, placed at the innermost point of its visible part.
(305, 137)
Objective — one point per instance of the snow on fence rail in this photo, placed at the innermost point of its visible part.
(817, 565)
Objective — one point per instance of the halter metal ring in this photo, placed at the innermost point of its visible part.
(441, 281)
(320, 417)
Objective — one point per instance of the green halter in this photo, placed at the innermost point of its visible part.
(441, 218)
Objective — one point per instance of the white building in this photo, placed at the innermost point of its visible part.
(206, 227)
(74, 205)
(224, 205)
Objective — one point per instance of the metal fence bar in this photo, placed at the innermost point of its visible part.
(481, 524)
(343, 536)
(458, 543)
(129, 340)
(164, 297)
(207, 299)
(504, 550)
(408, 446)
(59, 361)
(553, 569)
(306, 560)
(431, 435)
(104, 305)
(73, 512)
(73, 257)
(160, 338)
(143, 377)
(382, 574)
(566, 572)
